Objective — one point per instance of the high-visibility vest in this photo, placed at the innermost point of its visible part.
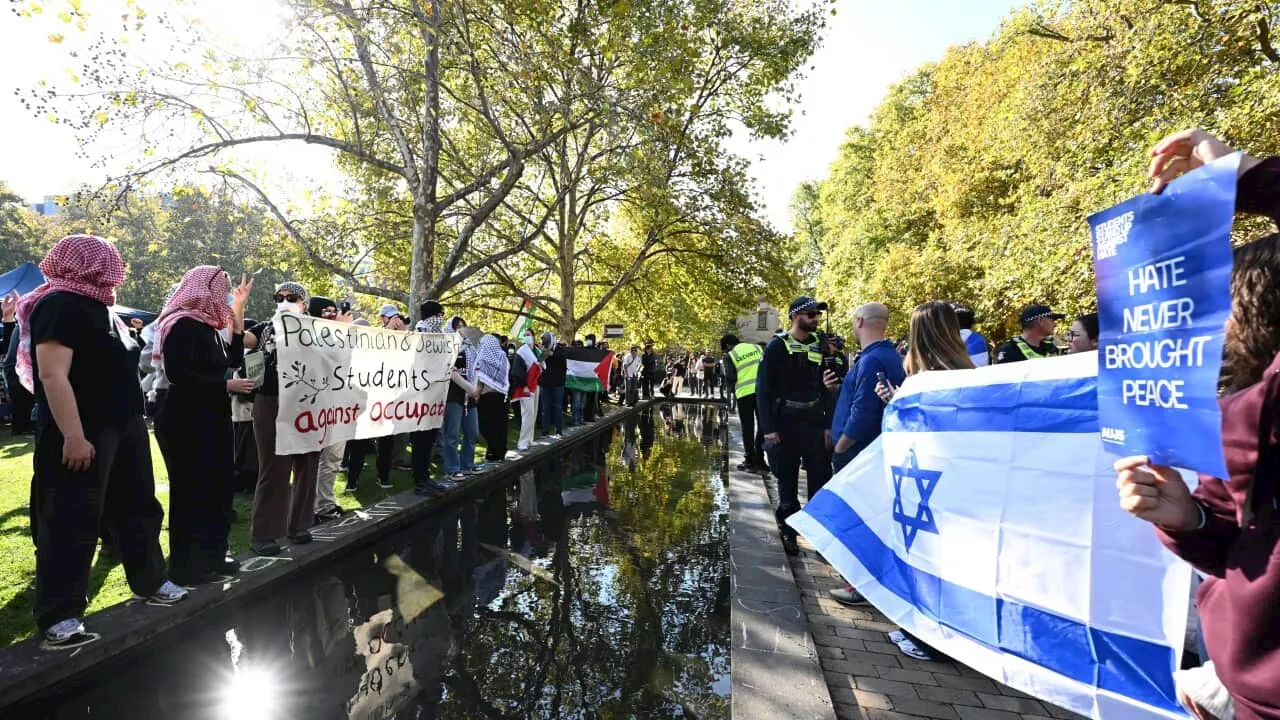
(746, 362)
(813, 348)
(1027, 351)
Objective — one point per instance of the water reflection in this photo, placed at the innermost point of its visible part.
(596, 585)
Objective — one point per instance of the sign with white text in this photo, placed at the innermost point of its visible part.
(342, 382)
(1163, 269)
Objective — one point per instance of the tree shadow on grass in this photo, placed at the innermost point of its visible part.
(16, 616)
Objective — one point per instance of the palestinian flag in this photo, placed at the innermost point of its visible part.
(588, 368)
(531, 355)
(524, 321)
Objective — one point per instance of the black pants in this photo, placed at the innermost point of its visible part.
(195, 439)
(244, 458)
(646, 385)
(752, 438)
(424, 445)
(119, 485)
(800, 439)
(20, 404)
(359, 449)
(492, 407)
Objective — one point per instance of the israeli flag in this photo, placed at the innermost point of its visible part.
(985, 520)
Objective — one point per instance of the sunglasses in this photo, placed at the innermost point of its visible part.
(289, 298)
(330, 311)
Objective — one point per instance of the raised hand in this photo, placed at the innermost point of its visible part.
(1185, 151)
(240, 294)
(9, 306)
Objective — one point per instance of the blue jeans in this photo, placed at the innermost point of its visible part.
(578, 401)
(460, 423)
(551, 409)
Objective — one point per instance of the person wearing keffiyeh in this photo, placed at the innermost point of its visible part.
(93, 454)
(492, 371)
(423, 442)
(193, 426)
(461, 422)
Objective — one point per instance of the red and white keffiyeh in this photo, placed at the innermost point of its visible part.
(202, 295)
(82, 264)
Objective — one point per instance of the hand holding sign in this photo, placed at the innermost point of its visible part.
(1163, 269)
(1188, 150)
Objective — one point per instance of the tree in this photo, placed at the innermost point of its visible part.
(410, 96)
(19, 240)
(648, 181)
(975, 175)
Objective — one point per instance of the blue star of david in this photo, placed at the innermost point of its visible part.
(926, 481)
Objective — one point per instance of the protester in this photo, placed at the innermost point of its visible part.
(710, 382)
(461, 422)
(679, 371)
(280, 508)
(1036, 340)
(193, 429)
(424, 441)
(858, 411)
(632, 365)
(525, 376)
(743, 370)
(492, 373)
(391, 318)
(1083, 335)
(1227, 527)
(330, 461)
(21, 401)
(976, 344)
(93, 455)
(649, 374)
(551, 384)
(795, 408)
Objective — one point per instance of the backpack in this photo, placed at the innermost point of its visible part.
(518, 375)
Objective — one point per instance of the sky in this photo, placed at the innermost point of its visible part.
(870, 45)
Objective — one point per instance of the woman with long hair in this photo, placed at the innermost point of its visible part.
(934, 340)
(934, 343)
(193, 426)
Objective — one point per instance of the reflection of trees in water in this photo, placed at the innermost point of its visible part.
(636, 621)
(615, 604)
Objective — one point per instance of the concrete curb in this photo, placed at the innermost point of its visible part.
(775, 668)
(27, 670)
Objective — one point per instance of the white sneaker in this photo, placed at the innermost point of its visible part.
(897, 636)
(168, 594)
(69, 633)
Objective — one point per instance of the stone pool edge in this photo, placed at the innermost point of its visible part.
(28, 671)
(775, 671)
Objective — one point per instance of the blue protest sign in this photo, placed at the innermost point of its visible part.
(1163, 269)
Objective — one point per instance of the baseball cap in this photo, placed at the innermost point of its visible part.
(1034, 312)
(389, 310)
(806, 303)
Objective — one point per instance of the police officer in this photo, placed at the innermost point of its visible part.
(742, 365)
(1038, 323)
(795, 401)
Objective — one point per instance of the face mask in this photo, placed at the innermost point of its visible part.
(528, 339)
(230, 299)
(286, 307)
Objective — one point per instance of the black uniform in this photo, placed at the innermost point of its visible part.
(1017, 349)
(793, 402)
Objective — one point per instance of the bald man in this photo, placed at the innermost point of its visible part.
(858, 411)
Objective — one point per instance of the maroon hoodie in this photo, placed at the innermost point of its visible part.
(1239, 545)
(1238, 548)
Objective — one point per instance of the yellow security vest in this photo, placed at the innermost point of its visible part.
(746, 362)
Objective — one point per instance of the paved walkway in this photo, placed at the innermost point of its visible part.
(866, 676)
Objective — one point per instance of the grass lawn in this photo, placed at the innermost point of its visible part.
(107, 583)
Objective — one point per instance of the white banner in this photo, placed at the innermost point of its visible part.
(341, 382)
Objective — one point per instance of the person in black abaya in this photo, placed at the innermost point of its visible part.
(193, 427)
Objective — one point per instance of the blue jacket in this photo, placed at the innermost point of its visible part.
(859, 410)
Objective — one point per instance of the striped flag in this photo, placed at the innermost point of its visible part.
(524, 321)
(985, 521)
(588, 368)
(530, 355)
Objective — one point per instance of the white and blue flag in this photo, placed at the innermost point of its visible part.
(985, 521)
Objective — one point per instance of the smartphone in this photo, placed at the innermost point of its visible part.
(344, 306)
(882, 378)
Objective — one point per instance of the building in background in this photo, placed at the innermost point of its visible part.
(48, 207)
(759, 326)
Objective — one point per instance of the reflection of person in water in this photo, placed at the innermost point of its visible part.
(646, 432)
(629, 442)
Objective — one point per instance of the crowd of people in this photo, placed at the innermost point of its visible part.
(208, 380)
(795, 404)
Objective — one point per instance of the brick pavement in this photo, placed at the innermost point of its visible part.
(869, 679)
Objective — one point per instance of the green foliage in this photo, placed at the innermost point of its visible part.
(19, 239)
(975, 175)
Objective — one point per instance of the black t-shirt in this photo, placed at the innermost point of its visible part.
(104, 371)
(1010, 352)
(457, 395)
(266, 334)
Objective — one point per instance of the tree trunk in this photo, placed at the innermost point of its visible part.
(425, 212)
